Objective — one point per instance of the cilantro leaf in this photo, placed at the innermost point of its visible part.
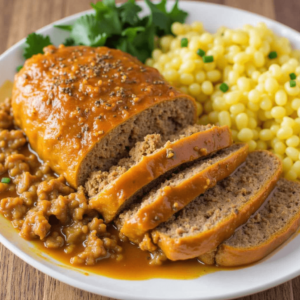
(177, 15)
(64, 27)
(159, 16)
(35, 44)
(86, 31)
(129, 12)
(108, 17)
(18, 68)
(69, 42)
(163, 19)
(131, 32)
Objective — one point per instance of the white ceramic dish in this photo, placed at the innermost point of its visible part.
(221, 285)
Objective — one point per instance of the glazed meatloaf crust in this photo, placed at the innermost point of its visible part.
(82, 108)
(214, 216)
(175, 193)
(148, 161)
(271, 226)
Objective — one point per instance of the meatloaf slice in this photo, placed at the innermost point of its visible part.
(175, 193)
(82, 107)
(114, 190)
(213, 217)
(271, 226)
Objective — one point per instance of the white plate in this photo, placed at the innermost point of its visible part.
(282, 266)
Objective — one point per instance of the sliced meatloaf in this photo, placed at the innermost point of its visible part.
(271, 226)
(82, 108)
(175, 193)
(149, 160)
(213, 217)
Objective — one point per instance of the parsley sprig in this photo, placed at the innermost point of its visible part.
(118, 27)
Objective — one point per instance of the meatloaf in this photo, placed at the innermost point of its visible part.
(148, 163)
(82, 108)
(175, 193)
(271, 226)
(214, 216)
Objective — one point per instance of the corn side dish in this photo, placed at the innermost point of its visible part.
(248, 79)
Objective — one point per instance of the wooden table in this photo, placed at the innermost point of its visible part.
(18, 280)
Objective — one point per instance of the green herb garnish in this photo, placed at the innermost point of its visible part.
(272, 55)
(293, 83)
(224, 87)
(201, 52)
(208, 59)
(5, 180)
(293, 76)
(184, 42)
(118, 27)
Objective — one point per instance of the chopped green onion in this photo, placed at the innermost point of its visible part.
(292, 83)
(184, 42)
(201, 52)
(272, 54)
(5, 180)
(293, 76)
(208, 59)
(224, 87)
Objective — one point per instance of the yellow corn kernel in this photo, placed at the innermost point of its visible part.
(296, 168)
(224, 118)
(186, 78)
(177, 28)
(252, 123)
(234, 134)
(266, 103)
(275, 70)
(187, 67)
(243, 84)
(290, 175)
(281, 98)
(261, 145)
(295, 104)
(232, 97)
(171, 75)
(208, 107)
(253, 106)
(245, 135)
(213, 117)
(279, 148)
(195, 89)
(237, 108)
(266, 135)
(252, 145)
(278, 112)
(284, 133)
(200, 76)
(219, 104)
(293, 141)
(292, 153)
(240, 37)
(287, 164)
(271, 85)
(207, 87)
(254, 96)
(199, 109)
(255, 134)
(204, 120)
(259, 59)
(241, 120)
(175, 63)
(214, 75)
(275, 128)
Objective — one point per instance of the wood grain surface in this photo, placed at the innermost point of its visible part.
(18, 280)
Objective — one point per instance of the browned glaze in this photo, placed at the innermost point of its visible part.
(70, 98)
(198, 244)
(184, 150)
(182, 194)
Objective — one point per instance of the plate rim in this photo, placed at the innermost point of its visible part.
(114, 293)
